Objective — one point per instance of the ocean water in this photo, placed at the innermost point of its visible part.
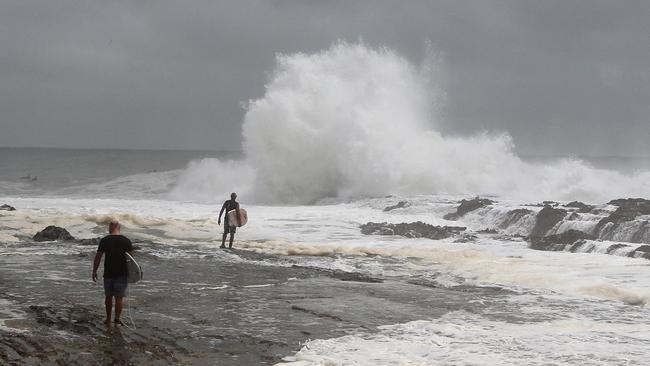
(320, 158)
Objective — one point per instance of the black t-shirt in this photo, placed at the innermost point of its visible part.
(115, 248)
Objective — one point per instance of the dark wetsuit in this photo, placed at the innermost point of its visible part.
(229, 206)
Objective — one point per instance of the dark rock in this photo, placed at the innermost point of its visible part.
(582, 207)
(466, 238)
(7, 208)
(354, 277)
(577, 245)
(53, 233)
(92, 241)
(411, 230)
(615, 247)
(400, 204)
(546, 219)
(560, 241)
(641, 252)
(550, 203)
(628, 210)
(574, 216)
(488, 231)
(468, 206)
(642, 234)
(513, 216)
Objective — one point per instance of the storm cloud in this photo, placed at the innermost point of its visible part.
(562, 77)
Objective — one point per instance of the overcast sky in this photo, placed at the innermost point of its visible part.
(564, 77)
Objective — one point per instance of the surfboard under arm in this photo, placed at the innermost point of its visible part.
(233, 220)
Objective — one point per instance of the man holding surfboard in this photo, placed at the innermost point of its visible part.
(229, 227)
(116, 247)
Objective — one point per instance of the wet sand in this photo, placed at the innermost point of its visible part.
(227, 308)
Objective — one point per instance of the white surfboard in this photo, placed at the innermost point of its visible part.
(133, 270)
(233, 220)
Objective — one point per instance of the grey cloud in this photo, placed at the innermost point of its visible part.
(560, 76)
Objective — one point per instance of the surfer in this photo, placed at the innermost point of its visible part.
(115, 246)
(229, 205)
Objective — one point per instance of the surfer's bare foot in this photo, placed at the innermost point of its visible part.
(107, 321)
(223, 246)
(118, 322)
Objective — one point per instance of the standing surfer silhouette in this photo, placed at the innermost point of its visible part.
(228, 206)
(115, 246)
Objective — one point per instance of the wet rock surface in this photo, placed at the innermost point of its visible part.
(400, 204)
(411, 230)
(581, 207)
(206, 310)
(629, 209)
(559, 241)
(6, 207)
(513, 216)
(468, 206)
(89, 242)
(641, 252)
(546, 219)
(51, 233)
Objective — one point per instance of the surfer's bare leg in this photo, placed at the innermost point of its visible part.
(232, 236)
(108, 301)
(223, 240)
(118, 308)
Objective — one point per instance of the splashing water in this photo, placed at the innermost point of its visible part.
(353, 121)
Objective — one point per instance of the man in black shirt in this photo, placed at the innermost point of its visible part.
(229, 205)
(115, 246)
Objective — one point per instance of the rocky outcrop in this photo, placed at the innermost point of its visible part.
(400, 204)
(546, 219)
(89, 242)
(641, 252)
(6, 207)
(514, 216)
(468, 206)
(53, 233)
(581, 207)
(411, 230)
(560, 241)
(629, 209)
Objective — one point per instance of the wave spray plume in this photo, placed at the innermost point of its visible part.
(353, 121)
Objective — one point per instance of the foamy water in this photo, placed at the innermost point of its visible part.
(603, 287)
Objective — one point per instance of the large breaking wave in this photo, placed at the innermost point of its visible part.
(353, 121)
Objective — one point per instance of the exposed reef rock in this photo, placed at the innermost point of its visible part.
(641, 252)
(6, 207)
(400, 204)
(560, 241)
(546, 219)
(468, 206)
(53, 233)
(92, 241)
(582, 207)
(411, 230)
(629, 209)
(514, 216)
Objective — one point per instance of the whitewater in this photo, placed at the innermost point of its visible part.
(338, 137)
